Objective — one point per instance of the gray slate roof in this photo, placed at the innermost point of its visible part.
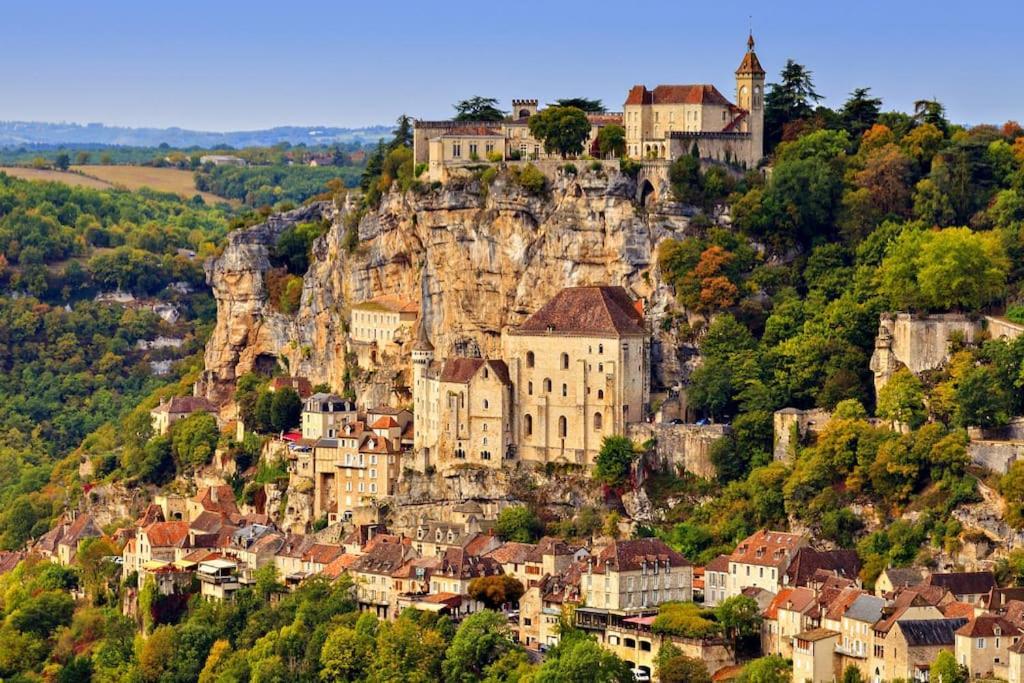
(930, 631)
(866, 608)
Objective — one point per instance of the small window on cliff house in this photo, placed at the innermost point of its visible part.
(600, 393)
(565, 390)
(563, 427)
(529, 388)
(529, 359)
(565, 361)
(598, 419)
(547, 386)
(528, 425)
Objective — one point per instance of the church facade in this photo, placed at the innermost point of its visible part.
(574, 372)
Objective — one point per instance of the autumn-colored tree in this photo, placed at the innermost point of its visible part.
(886, 176)
(495, 591)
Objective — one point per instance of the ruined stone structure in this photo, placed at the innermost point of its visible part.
(680, 447)
(997, 448)
(792, 427)
(918, 343)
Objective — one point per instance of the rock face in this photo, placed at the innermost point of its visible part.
(477, 259)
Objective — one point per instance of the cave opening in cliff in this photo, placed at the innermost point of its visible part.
(265, 364)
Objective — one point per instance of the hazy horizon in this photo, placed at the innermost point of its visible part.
(231, 67)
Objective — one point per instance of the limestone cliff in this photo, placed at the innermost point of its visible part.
(478, 259)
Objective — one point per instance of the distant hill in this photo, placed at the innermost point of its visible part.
(33, 133)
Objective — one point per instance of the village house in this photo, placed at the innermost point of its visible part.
(716, 575)
(983, 645)
(789, 613)
(761, 560)
(913, 646)
(969, 587)
(813, 656)
(159, 541)
(372, 572)
(856, 632)
(635, 575)
(380, 325)
(893, 578)
(177, 408)
(82, 527)
(324, 414)
(456, 568)
(218, 579)
(219, 500)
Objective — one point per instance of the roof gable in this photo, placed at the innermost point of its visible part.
(598, 310)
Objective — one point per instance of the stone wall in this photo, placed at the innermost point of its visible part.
(1001, 328)
(686, 446)
(997, 448)
(917, 342)
(790, 422)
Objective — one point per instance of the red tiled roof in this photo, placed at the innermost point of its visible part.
(461, 370)
(837, 608)
(985, 626)
(166, 534)
(301, 385)
(601, 310)
(322, 553)
(790, 599)
(767, 548)
(339, 565)
(700, 93)
(384, 422)
(626, 556)
(217, 499)
(719, 564)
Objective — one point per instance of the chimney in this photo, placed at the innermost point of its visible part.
(213, 494)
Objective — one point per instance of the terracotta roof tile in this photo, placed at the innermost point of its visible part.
(768, 548)
(985, 625)
(462, 370)
(600, 310)
(166, 534)
(625, 556)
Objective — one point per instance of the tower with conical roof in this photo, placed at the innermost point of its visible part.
(422, 357)
(750, 97)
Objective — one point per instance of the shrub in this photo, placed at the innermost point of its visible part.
(420, 169)
(531, 179)
(1015, 313)
(494, 157)
(570, 169)
(629, 167)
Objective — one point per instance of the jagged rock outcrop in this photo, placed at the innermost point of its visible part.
(478, 258)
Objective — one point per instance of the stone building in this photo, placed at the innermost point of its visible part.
(380, 325)
(670, 120)
(983, 645)
(636, 575)
(324, 414)
(761, 561)
(574, 372)
(580, 371)
(177, 408)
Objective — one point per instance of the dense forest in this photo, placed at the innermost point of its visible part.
(70, 364)
(862, 213)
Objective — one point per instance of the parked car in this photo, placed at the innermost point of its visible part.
(641, 675)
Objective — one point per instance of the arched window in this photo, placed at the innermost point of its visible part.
(529, 359)
(528, 425)
(547, 386)
(565, 390)
(484, 441)
(598, 419)
(529, 388)
(486, 404)
(565, 361)
(600, 394)
(563, 427)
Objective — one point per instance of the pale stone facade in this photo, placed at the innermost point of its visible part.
(574, 372)
(761, 560)
(670, 120)
(381, 320)
(813, 656)
(324, 414)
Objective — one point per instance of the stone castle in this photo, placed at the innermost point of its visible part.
(661, 124)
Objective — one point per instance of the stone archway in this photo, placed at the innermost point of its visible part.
(645, 193)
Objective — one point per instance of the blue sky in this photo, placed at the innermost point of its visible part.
(227, 65)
